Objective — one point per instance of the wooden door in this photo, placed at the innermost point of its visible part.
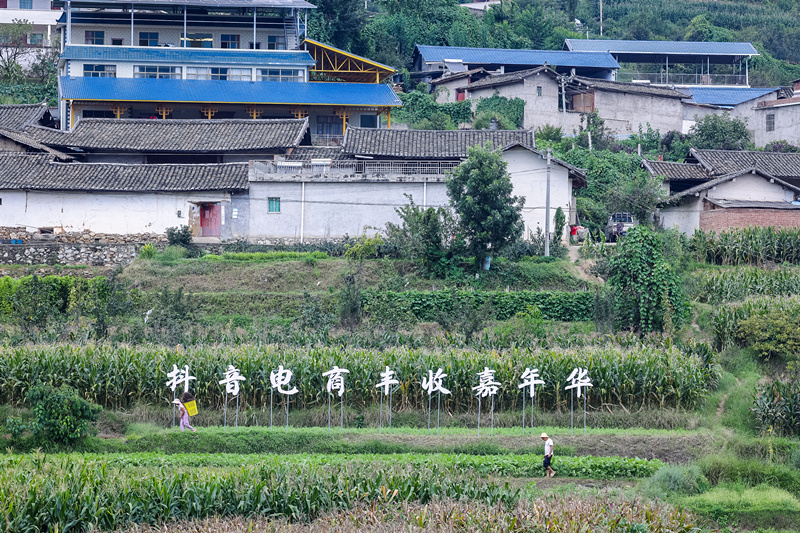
(210, 220)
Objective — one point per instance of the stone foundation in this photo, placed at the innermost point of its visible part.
(84, 237)
(68, 254)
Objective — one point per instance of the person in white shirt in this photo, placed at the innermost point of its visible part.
(548, 456)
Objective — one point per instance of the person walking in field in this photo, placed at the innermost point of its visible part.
(548, 456)
(184, 415)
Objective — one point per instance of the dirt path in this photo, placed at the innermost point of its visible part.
(583, 270)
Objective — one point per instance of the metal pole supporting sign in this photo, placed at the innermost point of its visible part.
(530, 378)
(433, 383)
(279, 379)
(231, 382)
(487, 386)
(386, 382)
(336, 384)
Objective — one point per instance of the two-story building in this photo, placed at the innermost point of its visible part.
(41, 19)
(205, 59)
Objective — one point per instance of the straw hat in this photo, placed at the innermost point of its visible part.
(176, 401)
(544, 436)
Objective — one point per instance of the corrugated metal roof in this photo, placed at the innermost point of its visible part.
(206, 3)
(501, 56)
(727, 96)
(228, 92)
(660, 47)
(188, 55)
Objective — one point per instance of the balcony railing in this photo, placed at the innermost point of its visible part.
(314, 167)
(677, 78)
(326, 140)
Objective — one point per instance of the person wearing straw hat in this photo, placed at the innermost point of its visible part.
(184, 415)
(548, 455)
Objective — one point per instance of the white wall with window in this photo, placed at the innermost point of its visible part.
(184, 71)
(207, 37)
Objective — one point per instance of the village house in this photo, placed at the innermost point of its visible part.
(42, 32)
(561, 100)
(722, 189)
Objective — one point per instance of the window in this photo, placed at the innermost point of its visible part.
(274, 205)
(538, 90)
(156, 71)
(229, 41)
(95, 37)
(218, 73)
(280, 74)
(98, 113)
(256, 47)
(148, 38)
(276, 42)
(36, 39)
(26, 4)
(369, 121)
(100, 71)
(329, 125)
(116, 42)
(197, 40)
(771, 122)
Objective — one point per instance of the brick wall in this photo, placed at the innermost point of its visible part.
(722, 219)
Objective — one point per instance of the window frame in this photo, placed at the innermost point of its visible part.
(276, 42)
(149, 39)
(120, 43)
(272, 203)
(93, 36)
(226, 43)
(27, 4)
(30, 38)
(108, 71)
(770, 122)
(280, 74)
(174, 72)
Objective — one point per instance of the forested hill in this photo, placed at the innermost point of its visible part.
(388, 29)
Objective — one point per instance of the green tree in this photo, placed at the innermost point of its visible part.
(480, 191)
(720, 132)
(646, 291)
(60, 415)
(14, 39)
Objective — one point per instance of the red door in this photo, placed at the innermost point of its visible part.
(210, 220)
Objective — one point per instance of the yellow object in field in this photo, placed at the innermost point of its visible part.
(191, 407)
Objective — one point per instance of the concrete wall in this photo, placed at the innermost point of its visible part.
(333, 209)
(446, 91)
(171, 35)
(624, 112)
(41, 5)
(529, 175)
(750, 187)
(787, 124)
(125, 69)
(683, 217)
(109, 212)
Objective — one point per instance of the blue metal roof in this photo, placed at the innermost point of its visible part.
(297, 58)
(727, 96)
(228, 92)
(502, 56)
(206, 3)
(660, 47)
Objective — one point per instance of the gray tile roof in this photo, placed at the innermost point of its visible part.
(25, 140)
(304, 153)
(720, 162)
(676, 171)
(175, 135)
(16, 117)
(509, 77)
(427, 144)
(39, 172)
(752, 204)
(625, 87)
(728, 177)
(458, 76)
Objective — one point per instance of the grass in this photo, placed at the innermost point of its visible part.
(739, 505)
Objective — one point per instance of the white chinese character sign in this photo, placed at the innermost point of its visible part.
(577, 381)
(231, 382)
(530, 378)
(386, 383)
(279, 380)
(178, 376)
(487, 386)
(335, 384)
(434, 382)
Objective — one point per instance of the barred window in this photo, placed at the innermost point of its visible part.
(100, 71)
(771, 122)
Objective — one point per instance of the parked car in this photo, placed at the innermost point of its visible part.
(619, 224)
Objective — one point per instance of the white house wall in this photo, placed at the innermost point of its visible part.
(333, 209)
(749, 187)
(171, 35)
(623, 113)
(786, 124)
(104, 212)
(684, 217)
(529, 176)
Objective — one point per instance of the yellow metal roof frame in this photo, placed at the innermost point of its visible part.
(387, 70)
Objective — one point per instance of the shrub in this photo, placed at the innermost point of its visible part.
(548, 132)
(61, 416)
(180, 236)
(148, 251)
(676, 479)
(511, 110)
(15, 428)
(773, 335)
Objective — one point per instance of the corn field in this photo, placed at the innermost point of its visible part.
(118, 376)
(67, 494)
(748, 246)
(742, 282)
(777, 409)
(727, 317)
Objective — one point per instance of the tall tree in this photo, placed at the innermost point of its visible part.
(480, 191)
(13, 47)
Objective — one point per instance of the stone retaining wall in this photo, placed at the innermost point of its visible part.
(85, 237)
(67, 254)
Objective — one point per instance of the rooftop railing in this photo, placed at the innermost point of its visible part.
(663, 78)
(355, 167)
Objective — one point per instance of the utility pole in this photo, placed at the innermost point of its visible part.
(601, 18)
(547, 210)
(563, 106)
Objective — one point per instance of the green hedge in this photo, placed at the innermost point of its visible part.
(427, 306)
